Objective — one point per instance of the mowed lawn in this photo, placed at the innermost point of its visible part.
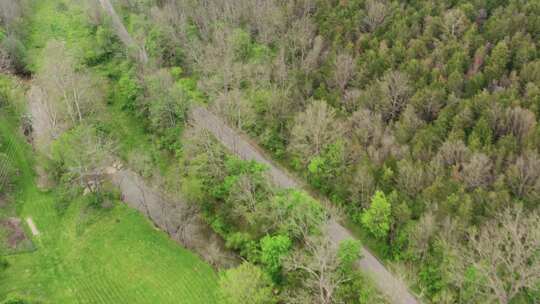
(89, 255)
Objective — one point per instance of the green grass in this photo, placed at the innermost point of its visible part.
(89, 255)
(96, 256)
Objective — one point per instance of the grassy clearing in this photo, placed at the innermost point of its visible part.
(88, 255)
(96, 256)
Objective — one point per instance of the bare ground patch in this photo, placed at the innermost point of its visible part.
(14, 237)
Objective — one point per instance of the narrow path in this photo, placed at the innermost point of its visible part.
(237, 143)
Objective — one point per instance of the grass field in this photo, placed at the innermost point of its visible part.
(96, 256)
(90, 255)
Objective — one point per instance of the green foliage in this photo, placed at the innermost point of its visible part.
(298, 214)
(273, 250)
(377, 218)
(327, 167)
(246, 284)
(77, 154)
(498, 61)
(348, 254)
(127, 90)
(467, 64)
(243, 243)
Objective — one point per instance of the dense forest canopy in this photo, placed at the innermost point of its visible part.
(419, 119)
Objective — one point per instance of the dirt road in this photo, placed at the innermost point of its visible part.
(238, 143)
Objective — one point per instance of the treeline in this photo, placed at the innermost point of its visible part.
(418, 118)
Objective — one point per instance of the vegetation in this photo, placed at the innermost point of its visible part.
(433, 104)
(418, 119)
(85, 252)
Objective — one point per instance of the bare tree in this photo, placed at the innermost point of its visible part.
(313, 58)
(75, 94)
(247, 199)
(365, 127)
(363, 186)
(422, 234)
(455, 23)
(344, 67)
(497, 119)
(350, 99)
(186, 215)
(520, 122)
(477, 172)
(453, 153)
(235, 108)
(313, 130)
(411, 178)
(84, 156)
(523, 176)
(366, 132)
(10, 11)
(320, 262)
(376, 12)
(395, 92)
(504, 253)
(408, 124)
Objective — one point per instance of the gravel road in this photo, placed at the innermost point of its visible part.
(240, 145)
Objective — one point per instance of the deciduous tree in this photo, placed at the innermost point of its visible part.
(246, 284)
(503, 254)
(314, 129)
(74, 93)
(377, 218)
(325, 266)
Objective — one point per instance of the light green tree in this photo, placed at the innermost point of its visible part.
(497, 61)
(273, 249)
(377, 217)
(246, 284)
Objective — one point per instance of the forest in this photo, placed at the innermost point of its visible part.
(411, 124)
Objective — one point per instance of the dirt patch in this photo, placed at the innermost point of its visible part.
(15, 233)
(43, 180)
(3, 201)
